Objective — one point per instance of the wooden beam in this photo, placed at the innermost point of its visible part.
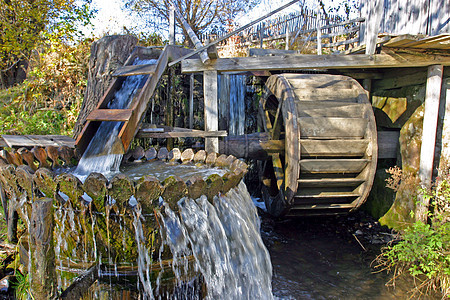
(427, 151)
(295, 62)
(110, 115)
(177, 134)
(211, 111)
(135, 70)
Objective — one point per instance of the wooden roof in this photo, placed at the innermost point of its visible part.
(441, 41)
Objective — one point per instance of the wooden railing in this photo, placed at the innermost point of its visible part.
(300, 27)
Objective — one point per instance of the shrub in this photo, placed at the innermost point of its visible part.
(423, 250)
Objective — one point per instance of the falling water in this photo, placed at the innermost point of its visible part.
(224, 240)
(232, 90)
(101, 155)
(237, 104)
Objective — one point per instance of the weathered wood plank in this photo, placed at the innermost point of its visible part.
(176, 134)
(211, 109)
(331, 148)
(330, 182)
(341, 166)
(321, 94)
(135, 70)
(427, 151)
(110, 115)
(293, 62)
(329, 109)
(38, 140)
(332, 128)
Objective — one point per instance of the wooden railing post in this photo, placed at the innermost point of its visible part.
(211, 111)
(172, 25)
(427, 151)
(42, 252)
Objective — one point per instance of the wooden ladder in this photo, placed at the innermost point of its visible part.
(133, 115)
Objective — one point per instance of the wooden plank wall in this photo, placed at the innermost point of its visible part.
(430, 17)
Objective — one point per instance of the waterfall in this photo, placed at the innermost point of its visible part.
(225, 242)
(101, 155)
(232, 90)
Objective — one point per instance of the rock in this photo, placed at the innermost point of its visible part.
(71, 186)
(150, 154)
(211, 158)
(196, 187)
(214, 184)
(187, 156)
(163, 153)
(148, 191)
(121, 189)
(174, 189)
(200, 156)
(174, 155)
(399, 215)
(95, 186)
(45, 182)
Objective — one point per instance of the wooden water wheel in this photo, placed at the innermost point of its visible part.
(330, 138)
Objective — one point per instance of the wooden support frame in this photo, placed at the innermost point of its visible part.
(211, 109)
(427, 151)
(294, 62)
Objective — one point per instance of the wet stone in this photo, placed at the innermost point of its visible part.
(70, 185)
(163, 153)
(230, 180)
(174, 189)
(222, 161)
(66, 154)
(52, 153)
(238, 164)
(200, 156)
(211, 158)
(45, 181)
(174, 155)
(214, 184)
(41, 156)
(148, 191)
(24, 175)
(187, 156)
(150, 154)
(196, 187)
(136, 154)
(95, 186)
(28, 157)
(8, 176)
(121, 189)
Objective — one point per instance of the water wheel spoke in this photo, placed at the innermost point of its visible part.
(278, 170)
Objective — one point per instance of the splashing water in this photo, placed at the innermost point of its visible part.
(101, 155)
(225, 242)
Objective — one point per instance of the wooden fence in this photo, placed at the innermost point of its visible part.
(300, 27)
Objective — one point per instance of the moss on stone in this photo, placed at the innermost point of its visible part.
(121, 189)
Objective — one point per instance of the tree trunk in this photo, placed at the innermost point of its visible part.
(107, 54)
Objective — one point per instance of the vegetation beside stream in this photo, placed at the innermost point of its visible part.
(423, 249)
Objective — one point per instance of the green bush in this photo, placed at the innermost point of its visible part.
(423, 250)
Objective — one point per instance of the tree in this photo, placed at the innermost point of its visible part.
(201, 15)
(26, 25)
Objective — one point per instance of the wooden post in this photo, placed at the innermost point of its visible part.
(172, 25)
(191, 101)
(211, 111)
(12, 221)
(445, 117)
(373, 19)
(261, 35)
(427, 151)
(197, 43)
(287, 37)
(170, 99)
(42, 253)
(319, 33)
